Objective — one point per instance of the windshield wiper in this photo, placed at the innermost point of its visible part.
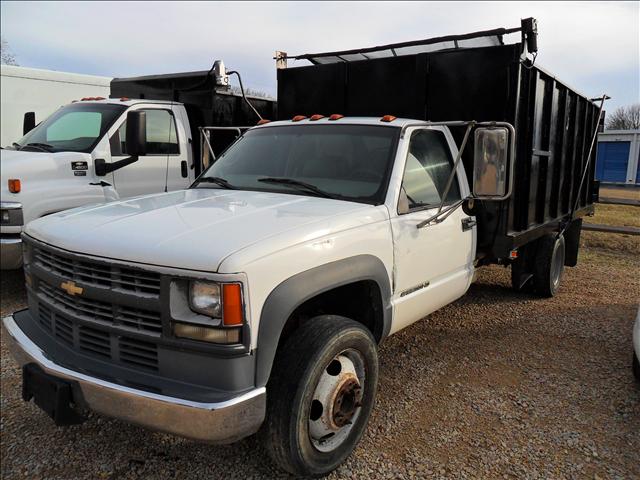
(308, 187)
(16, 145)
(45, 147)
(217, 180)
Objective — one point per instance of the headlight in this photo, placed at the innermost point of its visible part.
(204, 298)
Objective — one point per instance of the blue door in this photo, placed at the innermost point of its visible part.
(612, 160)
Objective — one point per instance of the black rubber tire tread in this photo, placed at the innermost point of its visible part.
(542, 266)
(296, 369)
(636, 367)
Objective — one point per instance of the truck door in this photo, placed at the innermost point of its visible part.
(160, 169)
(433, 264)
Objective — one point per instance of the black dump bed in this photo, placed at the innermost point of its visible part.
(206, 105)
(468, 77)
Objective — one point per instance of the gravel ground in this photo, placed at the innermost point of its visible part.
(497, 385)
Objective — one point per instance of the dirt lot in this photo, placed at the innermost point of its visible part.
(497, 385)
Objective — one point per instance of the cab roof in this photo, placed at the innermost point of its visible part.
(378, 121)
(124, 101)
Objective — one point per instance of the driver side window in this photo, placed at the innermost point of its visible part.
(428, 167)
(161, 135)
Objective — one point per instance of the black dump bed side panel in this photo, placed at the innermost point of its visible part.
(205, 106)
(554, 125)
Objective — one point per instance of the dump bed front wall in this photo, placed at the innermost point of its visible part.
(554, 125)
(204, 105)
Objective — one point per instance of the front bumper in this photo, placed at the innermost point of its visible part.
(221, 422)
(10, 242)
(10, 253)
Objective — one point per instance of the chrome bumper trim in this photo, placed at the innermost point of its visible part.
(221, 422)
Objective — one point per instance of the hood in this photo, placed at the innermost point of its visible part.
(191, 229)
(30, 166)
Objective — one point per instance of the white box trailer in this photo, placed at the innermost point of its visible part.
(41, 91)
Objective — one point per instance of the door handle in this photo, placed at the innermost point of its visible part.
(468, 223)
(183, 169)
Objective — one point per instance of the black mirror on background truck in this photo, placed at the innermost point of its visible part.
(136, 141)
(491, 163)
(28, 122)
(135, 144)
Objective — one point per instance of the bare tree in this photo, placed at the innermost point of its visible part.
(251, 92)
(6, 56)
(625, 118)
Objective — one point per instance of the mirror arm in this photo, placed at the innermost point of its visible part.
(455, 164)
(452, 176)
(110, 167)
(442, 215)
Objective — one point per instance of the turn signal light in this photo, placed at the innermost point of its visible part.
(388, 118)
(207, 334)
(336, 116)
(262, 121)
(297, 118)
(231, 304)
(316, 117)
(14, 185)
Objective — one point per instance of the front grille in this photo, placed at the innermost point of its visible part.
(98, 274)
(95, 341)
(100, 343)
(95, 310)
(94, 321)
(138, 353)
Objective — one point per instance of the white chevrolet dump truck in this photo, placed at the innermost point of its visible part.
(77, 155)
(255, 300)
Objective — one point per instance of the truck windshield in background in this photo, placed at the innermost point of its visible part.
(73, 128)
(348, 162)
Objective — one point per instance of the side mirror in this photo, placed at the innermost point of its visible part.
(490, 163)
(101, 167)
(28, 122)
(136, 141)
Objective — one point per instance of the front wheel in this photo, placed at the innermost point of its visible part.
(320, 395)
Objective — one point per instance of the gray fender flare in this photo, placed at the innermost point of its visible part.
(287, 296)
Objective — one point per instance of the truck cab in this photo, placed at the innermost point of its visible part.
(52, 168)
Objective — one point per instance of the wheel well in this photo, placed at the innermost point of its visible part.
(360, 301)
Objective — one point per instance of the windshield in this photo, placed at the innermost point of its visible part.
(73, 128)
(348, 162)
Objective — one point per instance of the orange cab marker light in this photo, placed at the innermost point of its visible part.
(231, 305)
(262, 121)
(14, 185)
(297, 118)
(98, 98)
(316, 117)
(513, 254)
(124, 99)
(388, 118)
(336, 116)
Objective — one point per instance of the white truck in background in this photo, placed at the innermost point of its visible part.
(42, 92)
(78, 155)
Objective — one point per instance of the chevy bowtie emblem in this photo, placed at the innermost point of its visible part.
(71, 288)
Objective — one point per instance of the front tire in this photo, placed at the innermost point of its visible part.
(320, 395)
(636, 367)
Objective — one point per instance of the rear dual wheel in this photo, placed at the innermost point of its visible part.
(540, 266)
(320, 395)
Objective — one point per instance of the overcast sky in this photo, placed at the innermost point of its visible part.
(593, 46)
